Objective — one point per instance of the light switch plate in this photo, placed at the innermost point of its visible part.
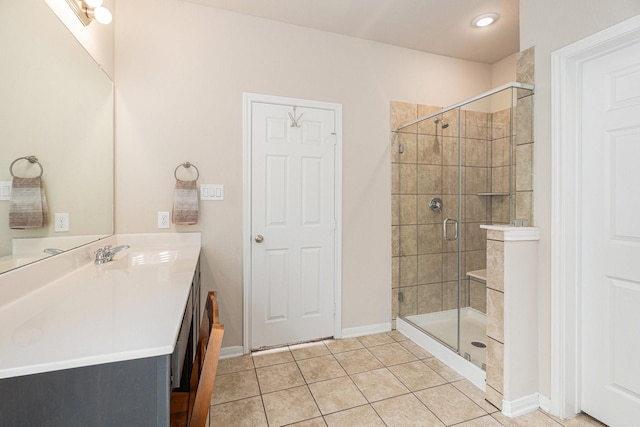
(211, 192)
(5, 190)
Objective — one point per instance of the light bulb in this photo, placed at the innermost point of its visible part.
(485, 20)
(93, 3)
(102, 15)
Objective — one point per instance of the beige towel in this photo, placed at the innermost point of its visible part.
(28, 208)
(185, 203)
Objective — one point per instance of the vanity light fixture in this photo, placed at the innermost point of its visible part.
(89, 10)
(485, 20)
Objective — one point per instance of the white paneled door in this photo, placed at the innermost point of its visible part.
(293, 223)
(610, 212)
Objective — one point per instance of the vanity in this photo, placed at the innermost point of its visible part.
(101, 345)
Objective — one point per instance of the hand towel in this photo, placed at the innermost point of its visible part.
(28, 206)
(185, 203)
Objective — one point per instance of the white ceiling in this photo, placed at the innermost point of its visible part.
(438, 26)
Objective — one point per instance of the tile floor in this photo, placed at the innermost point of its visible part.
(375, 380)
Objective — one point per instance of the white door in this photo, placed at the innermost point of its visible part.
(610, 210)
(293, 224)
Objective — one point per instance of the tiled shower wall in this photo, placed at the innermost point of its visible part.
(524, 139)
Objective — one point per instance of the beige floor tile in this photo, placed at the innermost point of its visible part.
(240, 413)
(417, 376)
(443, 370)
(340, 346)
(279, 377)
(475, 394)
(379, 384)
(235, 386)
(416, 350)
(375, 339)
(532, 419)
(392, 354)
(321, 368)
(404, 411)
(290, 406)
(397, 335)
(309, 350)
(336, 395)
(357, 361)
(235, 364)
(486, 421)
(449, 404)
(315, 422)
(362, 416)
(581, 420)
(272, 357)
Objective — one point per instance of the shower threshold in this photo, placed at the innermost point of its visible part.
(472, 330)
(443, 325)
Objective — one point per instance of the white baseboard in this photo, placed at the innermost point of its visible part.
(521, 406)
(229, 352)
(366, 330)
(545, 403)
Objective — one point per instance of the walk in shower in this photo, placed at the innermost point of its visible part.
(454, 169)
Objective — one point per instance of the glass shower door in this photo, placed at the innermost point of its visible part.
(430, 246)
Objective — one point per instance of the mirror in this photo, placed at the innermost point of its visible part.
(56, 104)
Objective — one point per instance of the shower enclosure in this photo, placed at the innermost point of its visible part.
(453, 170)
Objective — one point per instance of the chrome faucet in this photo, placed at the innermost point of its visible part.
(106, 254)
(53, 251)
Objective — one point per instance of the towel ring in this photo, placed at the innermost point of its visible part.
(30, 159)
(186, 165)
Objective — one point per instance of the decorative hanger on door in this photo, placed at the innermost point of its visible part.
(294, 119)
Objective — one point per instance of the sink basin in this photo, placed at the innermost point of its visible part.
(142, 258)
(152, 257)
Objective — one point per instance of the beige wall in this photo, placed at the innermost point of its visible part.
(549, 25)
(181, 71)
(504, 71)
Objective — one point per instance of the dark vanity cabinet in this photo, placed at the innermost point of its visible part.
(132, 392)
(185, 349)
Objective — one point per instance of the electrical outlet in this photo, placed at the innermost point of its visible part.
(164, 219)
(61, 222)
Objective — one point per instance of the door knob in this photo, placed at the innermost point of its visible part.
(259, 238)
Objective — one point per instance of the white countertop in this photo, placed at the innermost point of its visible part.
(129, 308)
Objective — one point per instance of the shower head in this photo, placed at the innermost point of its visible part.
(443, 124)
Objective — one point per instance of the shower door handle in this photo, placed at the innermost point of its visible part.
(444, 229)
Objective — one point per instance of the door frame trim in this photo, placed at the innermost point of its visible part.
(247, 100)
(566, 220)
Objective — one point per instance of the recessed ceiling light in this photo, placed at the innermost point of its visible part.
(485, 20)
